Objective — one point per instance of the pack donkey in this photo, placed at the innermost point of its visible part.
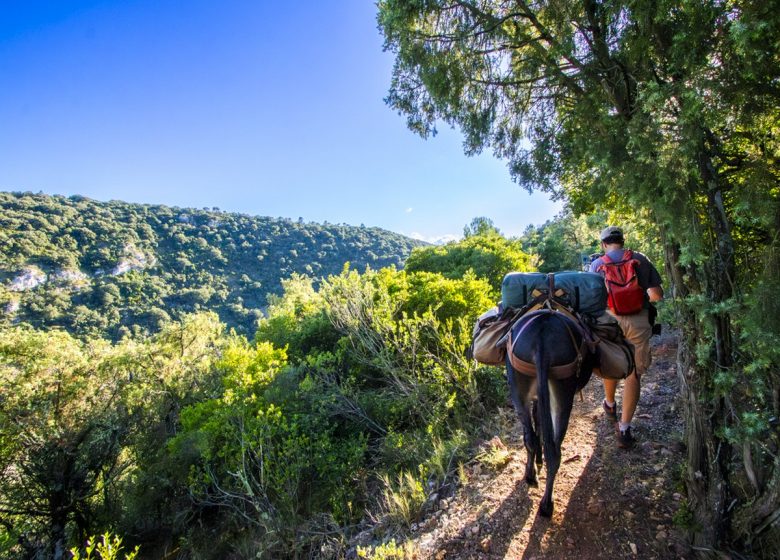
(548, 360)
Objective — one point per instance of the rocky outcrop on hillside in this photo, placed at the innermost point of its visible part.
(134, 259)
(27, 279)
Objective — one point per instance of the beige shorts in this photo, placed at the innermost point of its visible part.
(637, 330)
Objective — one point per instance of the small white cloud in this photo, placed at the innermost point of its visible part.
(434, 239)
(444, 239)
(409, 210)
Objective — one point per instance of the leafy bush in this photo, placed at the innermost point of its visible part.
(265, 458)
(388, 551)
(64, 422)
(403, 498)
(109, 547)
(486, 253)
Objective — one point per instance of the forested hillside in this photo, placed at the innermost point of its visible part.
(112, 268)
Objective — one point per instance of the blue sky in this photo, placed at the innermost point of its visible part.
(266, 108)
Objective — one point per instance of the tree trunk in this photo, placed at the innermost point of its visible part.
(674, 271)
(704, 483)
(709, 455)
(58, 543)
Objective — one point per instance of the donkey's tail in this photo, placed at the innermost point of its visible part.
(542, 360)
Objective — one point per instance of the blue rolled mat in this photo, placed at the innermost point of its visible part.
(585, 291)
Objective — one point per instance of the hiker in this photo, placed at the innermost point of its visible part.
(632, 284)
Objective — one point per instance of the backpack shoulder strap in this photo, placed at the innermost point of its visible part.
(605, 262)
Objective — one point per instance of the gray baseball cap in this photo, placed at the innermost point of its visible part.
(611, 231)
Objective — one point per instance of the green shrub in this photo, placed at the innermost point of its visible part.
(388, 551)
(108, 547)
(403, 498)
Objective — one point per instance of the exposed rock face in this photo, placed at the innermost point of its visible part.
(134, 259)
(29, 278)
(69, 276)
(32, 277)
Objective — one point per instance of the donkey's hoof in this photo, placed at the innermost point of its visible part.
(531, 481)
(545, 510)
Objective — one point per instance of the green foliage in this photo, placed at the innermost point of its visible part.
(480, 226)
(391, 394)
(112, 269)
(82, 426)
(417, 356)
(403, 498)
(297, 321)
(444, 454)
(206, 441)
(448, 299)
(388, 551)
(172, 370)
(109, 547)
(263, 455)
(494, 456)
(484, 252)
(565, 242)
(64, 421)
(683, 517)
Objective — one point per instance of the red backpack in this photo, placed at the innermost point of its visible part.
(624, 294)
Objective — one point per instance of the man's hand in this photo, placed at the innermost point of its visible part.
(655, 293)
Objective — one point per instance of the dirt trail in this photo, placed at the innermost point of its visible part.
(609, 503)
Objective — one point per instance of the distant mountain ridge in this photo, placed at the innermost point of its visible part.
(107, 268)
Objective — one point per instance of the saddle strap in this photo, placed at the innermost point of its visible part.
(555, 372)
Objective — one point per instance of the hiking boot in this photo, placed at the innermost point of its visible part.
(625, 439)
(610, 411)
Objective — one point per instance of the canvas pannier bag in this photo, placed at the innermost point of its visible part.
(615, 353)
(489, 330)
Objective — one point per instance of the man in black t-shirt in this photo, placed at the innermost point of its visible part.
(636, 328)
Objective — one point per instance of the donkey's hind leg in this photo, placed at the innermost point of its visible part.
(563, 396)
(561, 402)
(533, 447)
(537, 424)
(522, 392)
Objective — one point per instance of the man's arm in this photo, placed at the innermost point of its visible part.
(652, 279)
